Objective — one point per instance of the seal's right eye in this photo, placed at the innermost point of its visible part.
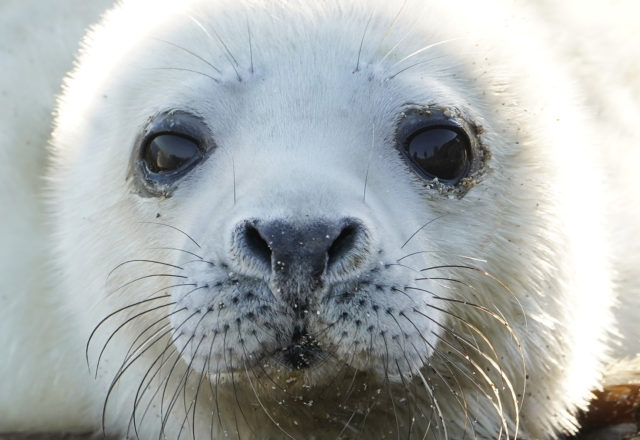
(170, 153)
(170, 146)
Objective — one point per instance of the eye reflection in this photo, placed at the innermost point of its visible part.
(168, 153)
(439, 152)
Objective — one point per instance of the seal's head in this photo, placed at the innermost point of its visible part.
(333, 220)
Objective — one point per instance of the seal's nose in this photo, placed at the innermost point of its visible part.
(296, 257)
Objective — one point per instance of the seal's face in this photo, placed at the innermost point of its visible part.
(297, 223)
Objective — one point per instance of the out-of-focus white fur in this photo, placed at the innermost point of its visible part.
(45, 386)
(556, 216)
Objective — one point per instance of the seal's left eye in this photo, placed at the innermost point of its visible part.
(439, 152)
(437, 146)
(169, 153)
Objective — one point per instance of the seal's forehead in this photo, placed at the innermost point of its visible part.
(223, 37)
(298, 50)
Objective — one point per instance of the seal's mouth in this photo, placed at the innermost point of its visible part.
(303, 352)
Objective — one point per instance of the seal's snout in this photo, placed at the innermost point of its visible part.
(301, 256)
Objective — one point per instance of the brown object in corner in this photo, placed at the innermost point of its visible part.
(614, 405)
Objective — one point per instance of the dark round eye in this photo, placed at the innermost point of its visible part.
(439, 152)
(171, 145)
(170, 153)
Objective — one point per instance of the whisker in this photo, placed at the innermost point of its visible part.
(473, 289)
(393, 23)
(208, 364)
(182, 69)
(175, 249)
(457, 336)
(421, 228)
(142, 261)
(235, 393)
(430, 60)
(495, 363)
(232, 60)
(134, 317)
(498, 403)
(409, 364)
(494, 315)
(388, 382)
(173, 227)
(366, 176)
(260, 365)
(159, 275)
(423, 49)
(447, 363)
(183, 384)
(224, 357)
(370, 396)
(456, 365)
(463, 403)
(165, 416)
(498, 366)
(441, 253)
(210, 263)
(121, 372)
(407, 389)
(141, 391)
(395, 289)
(346, 425)
(486, 274)
(233, 170)
(250, 47)
(417, 253)
(195, 399)
(255, 393)
(216, 396)
(350, 388)
(395, 46)
(364, 34)
(95, 329)
(170, 343)
(434, 401)
(402, 265)
(153, 334)
(131, 352)
(433, 294)
(208, 63)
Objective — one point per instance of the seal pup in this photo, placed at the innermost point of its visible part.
(332, 221)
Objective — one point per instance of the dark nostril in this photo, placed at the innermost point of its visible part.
(300, 256)
(344, 243)
(257, 245)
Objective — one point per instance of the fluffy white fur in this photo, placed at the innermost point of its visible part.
(303, 103)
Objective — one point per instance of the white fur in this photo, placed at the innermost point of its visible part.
(300, 124)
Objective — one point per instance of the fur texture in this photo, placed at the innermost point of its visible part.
(483, 311)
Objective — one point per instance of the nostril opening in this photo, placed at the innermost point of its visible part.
(257, 245)
(343, 244)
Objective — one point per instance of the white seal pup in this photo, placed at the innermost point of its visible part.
(341, 220)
